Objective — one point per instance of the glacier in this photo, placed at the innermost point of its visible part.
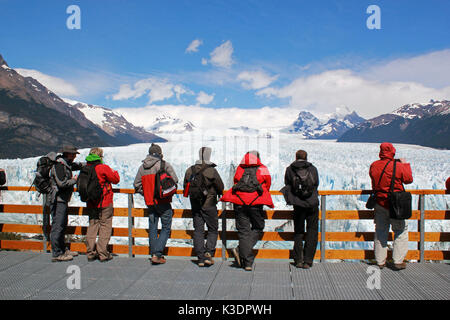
(341, 166)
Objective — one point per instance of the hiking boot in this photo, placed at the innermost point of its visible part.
(298, 264)
(71, 253)
(110, 257)
(92, 258)
(158, 260)
(209, 260)
(399, 266)
(62, 257)
(306, 266)
(235, 252)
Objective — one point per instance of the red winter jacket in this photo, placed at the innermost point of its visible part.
(106, 176)
(403, 174)
(263, 176)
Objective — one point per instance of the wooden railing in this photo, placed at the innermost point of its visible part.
(132, 233)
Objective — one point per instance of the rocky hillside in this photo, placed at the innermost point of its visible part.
(35, 121)
(421, 124)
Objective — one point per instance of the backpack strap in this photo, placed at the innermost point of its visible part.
(194, 174)
(391, 189)
(381, 176)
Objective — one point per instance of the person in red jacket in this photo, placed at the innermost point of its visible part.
(381, 174)
(249, 193)
(100, 211)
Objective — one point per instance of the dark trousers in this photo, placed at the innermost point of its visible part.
(311, 216)
(250, 225)
(58, 211)
(202, 216)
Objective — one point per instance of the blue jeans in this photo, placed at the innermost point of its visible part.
(156, 212)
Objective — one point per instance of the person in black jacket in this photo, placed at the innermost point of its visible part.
(301, 181)
(203, 204)
(63, 183)
(2, 177)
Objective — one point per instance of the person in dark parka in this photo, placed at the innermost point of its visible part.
(305, 209)
(204, 207)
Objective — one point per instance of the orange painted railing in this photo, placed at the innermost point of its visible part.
(132, 233)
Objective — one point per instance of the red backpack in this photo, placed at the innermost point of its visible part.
(165, 186)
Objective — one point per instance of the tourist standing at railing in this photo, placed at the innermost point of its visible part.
(100, 211)
(2, 180)
(2, 177)
(381, 172)
(63, 183)
(144, 183)
(301, 182)
(202, 183)
(249, 194)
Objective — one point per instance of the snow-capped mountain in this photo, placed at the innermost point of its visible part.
(114, 123)
(329, 126)
(422, 124)
(170, 125)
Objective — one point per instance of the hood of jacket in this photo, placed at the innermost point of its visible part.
(250, 160)
(299, 164)
(93, 157)
(204, 155)
(150, 161)
(387, 151)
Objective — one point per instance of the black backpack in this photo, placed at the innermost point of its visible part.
(303, 183)
(248, 182)
(88, 185)
(198, 188)
(41, 180)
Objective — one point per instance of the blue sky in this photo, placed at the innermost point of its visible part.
(134, 53)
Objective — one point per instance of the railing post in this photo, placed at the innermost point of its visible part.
(323, 208)
(45, 222)
(223, 235)
(422, 227)
(130, 225)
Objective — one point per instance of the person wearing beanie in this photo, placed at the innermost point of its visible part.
(204, 185)
(381, 172)
(159, 209)
(100, 211)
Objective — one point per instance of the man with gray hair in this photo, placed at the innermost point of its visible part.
(202, 184)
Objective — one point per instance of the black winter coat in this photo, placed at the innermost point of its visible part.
(289, 196)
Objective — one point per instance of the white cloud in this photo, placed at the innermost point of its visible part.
(325, 91)
(204, 98)
(431, 69)
(255, 79)
(222, 55)
(219, 118)
(57, 85)
(193, 46)
(156, 89)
